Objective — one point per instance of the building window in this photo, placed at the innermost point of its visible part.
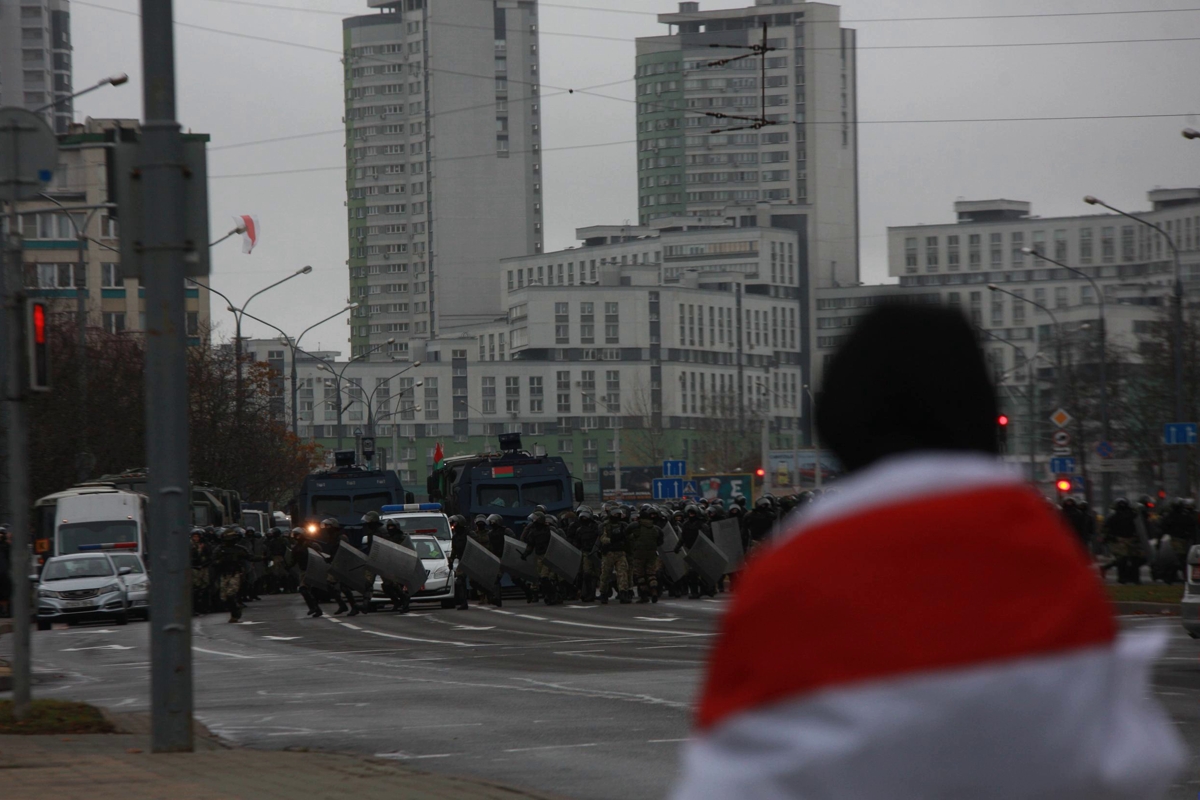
(996, 240)
(587, 385)
(535, 394)
(910, 254)
(952, 254)
(489, 395)
(612, 323)
(974, 255)
(931, 253)
(1108, 245)
(1085, 245)
(612, 386)
(113, 321)
(512, 394)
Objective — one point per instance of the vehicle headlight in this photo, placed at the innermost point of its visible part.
(112, 587)
(144, 586)
(47, 593)
(441, 572)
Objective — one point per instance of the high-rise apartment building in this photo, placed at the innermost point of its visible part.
(35, 57)
(443, 162)
(788, 137)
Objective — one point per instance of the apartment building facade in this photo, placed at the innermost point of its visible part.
(35, 58)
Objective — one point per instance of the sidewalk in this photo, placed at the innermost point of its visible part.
(120, 767)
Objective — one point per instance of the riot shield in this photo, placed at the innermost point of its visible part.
(674, 564)
(349, 566)
(511, 561)
(564, 558)
(316, 574)
(397, 564)
(480, 565)
(707, 559)
(727, 535)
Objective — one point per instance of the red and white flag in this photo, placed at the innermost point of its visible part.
(930, 631)
(249, 225)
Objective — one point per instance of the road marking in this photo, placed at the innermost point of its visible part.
(583, 605)
(549, 747)
(658, 619)
(281, 638)
(88, 630)
(352, 626)
(248, 622)
(97, 647)
(422, 641)
(531, 616)
(408, 757)
(219, 653)
(619, 628)
(666, 647)
(473, 628)
(454, 725)
(665, 741)
(588, 654)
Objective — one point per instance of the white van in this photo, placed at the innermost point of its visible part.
(100, 520)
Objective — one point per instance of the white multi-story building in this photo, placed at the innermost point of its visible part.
(443, 161)
(35, 58)
(703, 148)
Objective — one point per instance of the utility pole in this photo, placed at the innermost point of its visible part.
(160, 170)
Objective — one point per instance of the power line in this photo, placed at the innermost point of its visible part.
(947, 121)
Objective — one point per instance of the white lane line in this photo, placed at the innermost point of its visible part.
(282, 638)
(620, 628)
(666, 647)
(85, 630)
(407, 757)
(665, 741)
(248, 622)
(352, 626)
(590, 654)
(531, 616)
(549, 747)
(96, 647)
(422, 641)
(219, 653)
(453, 725)
(473, 628)
(497, 611)
(658, 619)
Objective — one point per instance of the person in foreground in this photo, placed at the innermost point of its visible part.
(933, 629)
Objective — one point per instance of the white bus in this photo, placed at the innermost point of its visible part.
(88, 518)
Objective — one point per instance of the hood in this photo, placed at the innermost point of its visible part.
(76, 584)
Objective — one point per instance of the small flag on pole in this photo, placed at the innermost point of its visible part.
(438, 456)
(249, 225)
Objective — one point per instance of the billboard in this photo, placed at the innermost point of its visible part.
(637, 483)
(782, 463)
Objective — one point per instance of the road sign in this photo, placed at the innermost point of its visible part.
(690, 489)
(1116, 465)
(674, 469)
(1062, 465)
(668, 488)
(28, 154)
(1078, 484)
(1060, 418)
(1061, 438)
(1105, 450)
(1179, 433)
(358, 431)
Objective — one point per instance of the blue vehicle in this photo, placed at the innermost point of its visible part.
(511, 483)
(345, 493)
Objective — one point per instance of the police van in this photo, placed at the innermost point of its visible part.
(88, 518)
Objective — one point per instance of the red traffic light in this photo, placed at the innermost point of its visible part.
(39, 323)
(760, 473)
(1063, 485)
(1002, 420)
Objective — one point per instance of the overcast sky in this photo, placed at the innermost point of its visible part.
(240, 90)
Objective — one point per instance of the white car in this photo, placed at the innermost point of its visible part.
(83, 587)
(137, 582)
(430, 535)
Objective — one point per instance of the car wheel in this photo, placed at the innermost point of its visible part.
(121, 619)
(448, 603)
(43, 624)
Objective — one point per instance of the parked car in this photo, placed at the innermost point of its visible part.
(1190, 607)
(137, 582)
(81, 588)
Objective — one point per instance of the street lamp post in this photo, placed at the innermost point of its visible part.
(392, 415)
(1106, 479)
(1177, 330)
(1030, 363)
(1191, 133)
(1058, 376)
(111, 80)
(818, 470)
(616, 444)
(338, 376)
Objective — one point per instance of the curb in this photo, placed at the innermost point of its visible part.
(1152, 609)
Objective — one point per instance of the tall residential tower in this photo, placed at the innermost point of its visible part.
(35, 57)
(801, 169)
(443, 162)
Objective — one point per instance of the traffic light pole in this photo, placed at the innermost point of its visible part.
(12, 291)
(161, 172)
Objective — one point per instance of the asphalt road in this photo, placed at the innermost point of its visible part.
(583, 701)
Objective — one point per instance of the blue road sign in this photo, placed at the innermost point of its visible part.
(1063, 465)
(1105, 450)
(1077, 484)
(691, 489)
(1179, 433)
(667, 488)
(674, 469)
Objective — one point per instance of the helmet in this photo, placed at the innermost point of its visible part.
(275, 532)
(585, 514)
(647, 511)
(370, 517)
(692, 510)
(230, 534)
(537, 518)
(495, 519)
(330, 522)
(391, 523)
(740, 499)
(540, 508)
(1121, 503)
(763, 502)
(251, 531)
(480, 519)
(195, 531)
(1068, 502)
(297, 532)
(457, 519)
(619, 513)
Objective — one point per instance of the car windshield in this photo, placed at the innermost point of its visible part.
(499, 496)
(331, 505)
(77, 534)
(61, 569)
(128, 560)
(436, 526)
(371, 502)
(542, 494)
(428, 549)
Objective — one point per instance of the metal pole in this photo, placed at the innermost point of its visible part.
(295, 414)
(1031, 365)
(12, 290)
(166, 388)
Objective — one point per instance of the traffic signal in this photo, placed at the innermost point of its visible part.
(1063, 485)
(1002, 432)
(759, 475)
(37, 324)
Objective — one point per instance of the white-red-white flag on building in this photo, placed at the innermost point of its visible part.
(250, 228)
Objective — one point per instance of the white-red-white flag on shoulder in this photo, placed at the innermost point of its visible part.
(932, 631)
(250, 228)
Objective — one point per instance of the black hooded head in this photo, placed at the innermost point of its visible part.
(908, 378)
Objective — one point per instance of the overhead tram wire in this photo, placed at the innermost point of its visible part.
(941, 18)
(988, 120)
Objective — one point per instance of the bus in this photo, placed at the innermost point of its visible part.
(89, 517)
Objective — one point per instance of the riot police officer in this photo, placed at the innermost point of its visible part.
(458, 548)
(536, 537)
(644, 538)
(584, 534)
(614, 556)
